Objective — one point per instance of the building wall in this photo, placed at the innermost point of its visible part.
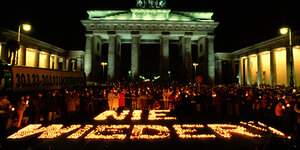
(266, 68)
(266, 62)
(296, 52)
(36, 53)
(281, 66)
(253, 69)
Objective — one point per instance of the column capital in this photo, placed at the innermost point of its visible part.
(88, 34)
(188, 34)
(165, 34)
(135, 32)
(210, 36)
(111, 33)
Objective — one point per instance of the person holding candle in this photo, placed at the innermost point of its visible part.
(5, 112)
(21, 107)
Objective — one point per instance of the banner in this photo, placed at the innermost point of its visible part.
(35, 79)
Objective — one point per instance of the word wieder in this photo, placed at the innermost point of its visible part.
(146, 132)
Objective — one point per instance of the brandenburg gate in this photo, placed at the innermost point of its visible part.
(149, 23)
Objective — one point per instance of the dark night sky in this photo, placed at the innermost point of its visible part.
(241, 23)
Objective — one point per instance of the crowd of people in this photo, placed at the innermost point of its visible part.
(266, 103)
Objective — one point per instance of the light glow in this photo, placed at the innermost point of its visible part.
(284, 30)
(136, 115)
(27, 131)
(138, 132)
(26, 27)
(187, 133)
(159, 115)
(108, 132)
(275, 131)
(80, 132)
(184, 131)
(251, 124)
(56, 130)
(224, 130)
(105, 114)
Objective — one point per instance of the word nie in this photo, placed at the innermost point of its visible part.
(136, 115)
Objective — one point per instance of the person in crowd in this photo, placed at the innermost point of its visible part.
(86, 102)
(236, 101)
(52, 106)
(122, 99)
(70, 101)
(229, 102)
(113, 99)
(256, 106)
(5, 112)
(141, 100)
(134, 100)
(21, 107)
(219, 100)
(39, 107)
(279, 112)
(166, 96)
(29, 113)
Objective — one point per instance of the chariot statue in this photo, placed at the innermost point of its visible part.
(151, 3)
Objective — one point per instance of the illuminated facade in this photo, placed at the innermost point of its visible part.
(149, 24)
(36, 53)
(263, 63)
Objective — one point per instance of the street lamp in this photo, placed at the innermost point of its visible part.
(286, 30)
(195, 66)
(26, 27)
(103, 64)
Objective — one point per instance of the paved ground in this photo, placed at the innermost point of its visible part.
(237, 142)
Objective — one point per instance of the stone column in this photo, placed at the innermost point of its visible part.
(56, 62)
(202, 57)
(241, 71)
(22, 56)
(164, 57)
(73, 65)
(219, 71)
(211, 60)
(181, 54)
(64, 64)
(113, 64)
(48, 61)
(234, 75)
(135, 57)
(259, 69)
(97, 69)
(79, 64)
(67, 64)
(186, 45)
(88, 58)
(52, 61)
(37, 59)
(249, 75)
(273, 68)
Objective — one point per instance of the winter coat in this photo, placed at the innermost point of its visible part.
(122, 99)
(70, 101)
(113, 100)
